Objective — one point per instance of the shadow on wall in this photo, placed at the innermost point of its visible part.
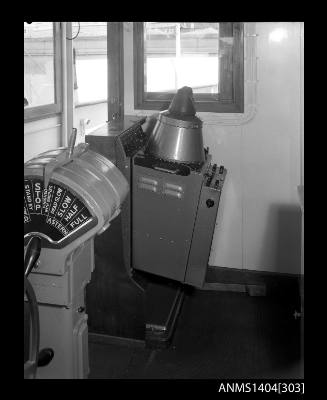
(281, 250)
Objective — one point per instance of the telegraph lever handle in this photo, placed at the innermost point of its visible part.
(32, 254)
(72, 141)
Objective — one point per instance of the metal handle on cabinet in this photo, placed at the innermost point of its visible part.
(169, 171)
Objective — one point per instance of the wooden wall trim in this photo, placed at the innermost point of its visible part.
(255, 283)
(115, 70)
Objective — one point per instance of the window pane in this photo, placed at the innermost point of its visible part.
(39, 82)
(181, 54)
(91, 61)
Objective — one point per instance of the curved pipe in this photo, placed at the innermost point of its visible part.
(30, 365)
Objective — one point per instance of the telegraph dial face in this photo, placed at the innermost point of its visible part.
(55, 214)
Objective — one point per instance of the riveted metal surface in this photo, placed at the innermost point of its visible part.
(163, 221)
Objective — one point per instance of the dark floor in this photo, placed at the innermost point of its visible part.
(218, 335)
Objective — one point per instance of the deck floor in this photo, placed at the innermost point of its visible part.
(219, 335)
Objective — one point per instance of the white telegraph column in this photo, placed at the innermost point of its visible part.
(69, 197)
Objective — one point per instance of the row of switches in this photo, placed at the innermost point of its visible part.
(212, 174)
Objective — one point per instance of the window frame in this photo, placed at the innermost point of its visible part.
(115, 54)
(161, 100)
(90, 103)
(50, 110)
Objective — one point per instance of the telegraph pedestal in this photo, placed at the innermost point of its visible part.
(70, 195)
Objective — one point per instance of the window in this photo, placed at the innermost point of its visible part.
(90, 58)
(205, 56)
(41, 70)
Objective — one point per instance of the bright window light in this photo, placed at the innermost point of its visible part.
(277, 35)
(181, 54)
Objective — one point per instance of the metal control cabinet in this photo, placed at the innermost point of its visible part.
(174, 213)
(176, 193)
(83, 195)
